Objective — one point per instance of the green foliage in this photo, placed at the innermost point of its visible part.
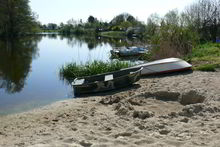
(91, 19)
(125, 25)
(113, 34)
(116, 28)
(72, 70)
(147, 56)
(172, 38)
(78, 30)
(124, 17)
(152, 27)
(16, 18)
(207, 67)
(205, 57)
(121, 23)
(208, 49)
(203, 17)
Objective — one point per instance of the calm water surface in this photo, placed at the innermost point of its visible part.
(29, 69)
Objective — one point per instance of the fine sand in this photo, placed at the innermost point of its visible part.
(170, 110)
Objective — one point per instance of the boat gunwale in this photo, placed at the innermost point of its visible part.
(108, 73)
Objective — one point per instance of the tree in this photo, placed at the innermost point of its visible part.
(172, 17)
(122, 18)
(91, 19)
(61, 25)
(204, 16)
(172, 38)
(153, 24)
(16, 18)
(52, 26)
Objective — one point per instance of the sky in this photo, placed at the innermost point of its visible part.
(57, 11)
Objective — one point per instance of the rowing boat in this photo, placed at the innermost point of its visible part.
(164, 66)
(129, 51)
(106, 81)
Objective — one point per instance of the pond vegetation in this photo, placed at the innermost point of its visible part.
(72, 70)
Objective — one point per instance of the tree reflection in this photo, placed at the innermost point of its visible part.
(94, 41)
(16, 56)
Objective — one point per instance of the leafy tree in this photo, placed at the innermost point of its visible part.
(61, 25)
(172, 38)
(131, 19)
(172, 18)
(153, 24)
(52, 26)
(122, 18)
(204, 17)
(126, 24)
(91, 19)
(72, 22)
(16, 18)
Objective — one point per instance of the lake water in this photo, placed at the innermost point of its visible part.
(29, 68)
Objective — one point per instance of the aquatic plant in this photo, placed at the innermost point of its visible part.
(72, 70)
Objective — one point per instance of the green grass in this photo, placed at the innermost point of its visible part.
(113, 34)
(72, 70)
(205, 57)
(207, 67)
(208, 49)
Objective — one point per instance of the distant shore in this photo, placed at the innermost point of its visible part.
(170, 110)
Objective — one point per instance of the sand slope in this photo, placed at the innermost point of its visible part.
(172, 110)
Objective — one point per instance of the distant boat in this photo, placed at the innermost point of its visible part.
(164, 66)
(129, 51)
(106, 81)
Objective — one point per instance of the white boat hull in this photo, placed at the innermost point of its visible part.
(164, 66)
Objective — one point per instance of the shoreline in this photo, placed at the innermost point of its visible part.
(170, 110)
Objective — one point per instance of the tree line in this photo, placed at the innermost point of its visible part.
(199, 21)
(178, 32)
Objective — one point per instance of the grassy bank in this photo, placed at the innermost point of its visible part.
(113, 34)
(205, 57)
(72, 70)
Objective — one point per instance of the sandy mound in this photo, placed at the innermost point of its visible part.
(172, 110)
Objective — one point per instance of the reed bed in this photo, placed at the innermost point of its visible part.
(72, 70)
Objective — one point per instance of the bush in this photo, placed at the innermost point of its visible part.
(173, 41)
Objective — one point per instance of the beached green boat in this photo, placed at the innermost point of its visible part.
(107, 81)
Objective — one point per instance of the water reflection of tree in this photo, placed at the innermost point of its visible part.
(16, 56)
(52, 36)
(94, 41)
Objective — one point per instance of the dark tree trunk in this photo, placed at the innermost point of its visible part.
(214, 30)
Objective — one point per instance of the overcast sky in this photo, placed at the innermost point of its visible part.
(57, 11)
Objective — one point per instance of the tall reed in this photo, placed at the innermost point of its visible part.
(70, 71)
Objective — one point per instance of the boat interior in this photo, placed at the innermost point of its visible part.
(106, 76)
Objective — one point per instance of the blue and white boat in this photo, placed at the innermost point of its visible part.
(129, 51)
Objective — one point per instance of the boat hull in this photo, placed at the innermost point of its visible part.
(126, 77)
(164, 66)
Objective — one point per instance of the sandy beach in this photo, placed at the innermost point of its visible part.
(172, 110)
